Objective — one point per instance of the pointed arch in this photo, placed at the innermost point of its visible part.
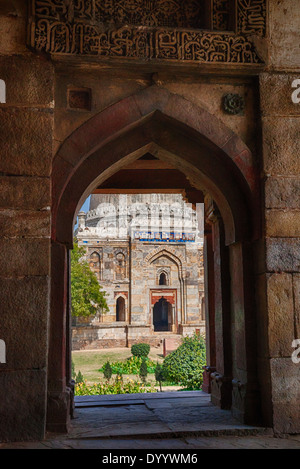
(175, 130)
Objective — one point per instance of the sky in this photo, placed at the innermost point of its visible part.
(85, 207)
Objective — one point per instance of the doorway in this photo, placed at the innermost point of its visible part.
(162, 315)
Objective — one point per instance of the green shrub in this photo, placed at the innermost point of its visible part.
(79, 378)
(143, 371)
(131, 366)
(184, 366)
(107, 371)
(159, 375)
(140, 350)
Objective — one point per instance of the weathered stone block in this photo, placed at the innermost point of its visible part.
(286, 395)
(277, 86)
(281, 145)
(283, 223)
(283, 255)
(30, 193)
(26, 141)
(13, 34)
(24, 321)
(24, 257)
(28, 82)
(280, 314)
(23, 405)
(284, 34)
(282, 192)
(24, 223)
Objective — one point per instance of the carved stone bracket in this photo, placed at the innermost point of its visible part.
(144, 30)
(207, 371)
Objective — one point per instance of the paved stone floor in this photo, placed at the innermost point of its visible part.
(169, 420)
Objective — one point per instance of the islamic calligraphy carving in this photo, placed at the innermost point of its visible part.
(251, 17)
(170, 13)
(146, 29)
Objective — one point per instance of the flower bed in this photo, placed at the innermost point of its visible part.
(117, 386)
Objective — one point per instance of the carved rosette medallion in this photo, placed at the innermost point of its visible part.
(233, 104)
(168, 30)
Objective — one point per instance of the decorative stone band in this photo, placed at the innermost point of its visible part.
(141, 43)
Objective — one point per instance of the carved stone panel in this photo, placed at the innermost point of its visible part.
(161, 30)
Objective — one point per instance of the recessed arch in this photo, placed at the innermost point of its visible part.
(120, 308)
(163, 278)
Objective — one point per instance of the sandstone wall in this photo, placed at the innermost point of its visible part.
(25, 167)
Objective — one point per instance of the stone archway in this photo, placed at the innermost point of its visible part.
(217, 162)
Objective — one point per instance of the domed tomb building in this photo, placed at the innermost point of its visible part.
(147, 253)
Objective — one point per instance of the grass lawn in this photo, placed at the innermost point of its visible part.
(90, 361)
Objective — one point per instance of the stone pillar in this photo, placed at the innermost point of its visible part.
(59, 393)
(209, 310)
(245, 392)
(221, 379)
(279, 275)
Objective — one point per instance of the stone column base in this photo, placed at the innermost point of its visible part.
(245, 402)
(221, 389)
(59, 411)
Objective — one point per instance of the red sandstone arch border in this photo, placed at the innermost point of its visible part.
(212, 156)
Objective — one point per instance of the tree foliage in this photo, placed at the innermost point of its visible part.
(87, 295)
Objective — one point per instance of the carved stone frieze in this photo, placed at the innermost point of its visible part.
(168, 30)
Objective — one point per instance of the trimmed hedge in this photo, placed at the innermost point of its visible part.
(140, 350)
(184, 366)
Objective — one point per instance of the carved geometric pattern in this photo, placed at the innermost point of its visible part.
(220, 15)
(143, 29)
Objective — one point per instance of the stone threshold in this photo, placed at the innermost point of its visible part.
(161, 415)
